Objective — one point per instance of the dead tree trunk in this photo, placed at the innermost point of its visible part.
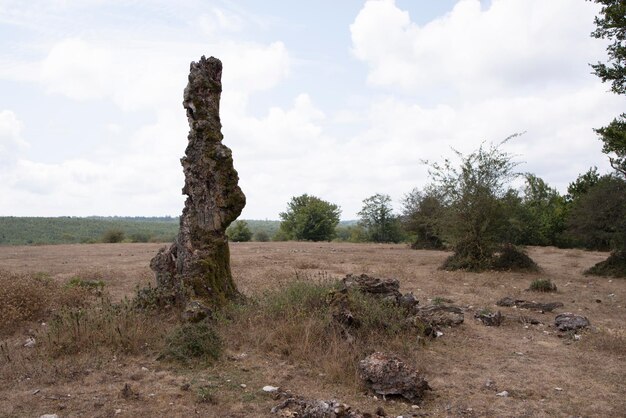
(197, 264)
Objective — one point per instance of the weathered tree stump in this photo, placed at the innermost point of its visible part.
(197, 264)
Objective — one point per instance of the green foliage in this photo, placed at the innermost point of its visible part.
(197, 341)
(614, 137)
(239, 232)
(542, 285)
(545, 212)
(510, 258)
(614, 266)
(476, 195)
(309, 218)
(261, 236)
(597, 219)
(421, 216)
(68, 230)
(377, 218)
(113, 236)
(611, 25)
(351, 233)
(582, 184)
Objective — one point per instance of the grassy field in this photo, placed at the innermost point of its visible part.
(545, 374)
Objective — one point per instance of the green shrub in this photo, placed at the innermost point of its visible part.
(197, 341)
(510, 258)
(112, 236)
(614, 266)
(261, 236)
(239, 232)
(542, 285)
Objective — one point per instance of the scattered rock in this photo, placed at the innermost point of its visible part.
(523, 304)
(195, 311)
(489, 318)
(270, 389)
(197, 264)
(570, 322)
(49, 416)
(408, 301)
(386, 374)
(30, 342)
(503, 394)
(310, 408)
(441, 315)
(388, 289)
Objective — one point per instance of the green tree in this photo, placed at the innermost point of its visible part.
(239, 232)
(476, 194)
(546, 211)
(582, 184)
(377, 218)
(309, 218)
(598, 218)
(611, 25)
(421, 217)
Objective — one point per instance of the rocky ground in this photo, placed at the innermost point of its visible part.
(524, 367)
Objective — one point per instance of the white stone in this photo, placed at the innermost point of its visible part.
(30, 342)
(503, 394)
(270, 389)
(243, 385)
(49, 416)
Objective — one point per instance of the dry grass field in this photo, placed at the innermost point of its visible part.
(545, 374)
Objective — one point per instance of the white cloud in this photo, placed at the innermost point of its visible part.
(149, 75)
(11, 141)
(512, 44)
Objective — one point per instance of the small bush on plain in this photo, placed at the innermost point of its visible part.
(542, 285)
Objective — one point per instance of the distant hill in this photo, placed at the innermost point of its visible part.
(72, 230)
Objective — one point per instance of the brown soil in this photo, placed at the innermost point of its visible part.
(544, 373)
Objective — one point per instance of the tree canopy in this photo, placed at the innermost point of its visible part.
(377, 218)
(309, 218)
(611, 25)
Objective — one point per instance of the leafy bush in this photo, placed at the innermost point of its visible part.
(511, 258)
(239, 232)
(614, 266)
(542, 285)
(309, 218)
(476, 195)
(112, 236)
(197, 341)
(261, 236)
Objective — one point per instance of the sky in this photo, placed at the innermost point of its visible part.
(337, 99)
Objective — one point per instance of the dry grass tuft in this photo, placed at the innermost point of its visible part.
(105, 327)
(610, 341)
(33, 297)
(296, 322)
